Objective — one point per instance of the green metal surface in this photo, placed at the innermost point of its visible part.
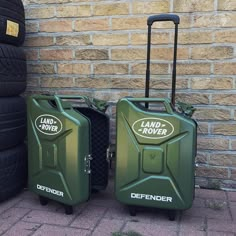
(58, 150)
(155, 155)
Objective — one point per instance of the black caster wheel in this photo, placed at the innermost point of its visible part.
(132, 211)
(68, 210)
(172, 215)
(43, 200)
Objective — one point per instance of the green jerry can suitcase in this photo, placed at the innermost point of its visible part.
(58, 151)
(156, 147)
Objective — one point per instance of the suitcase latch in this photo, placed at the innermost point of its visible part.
(87, 161)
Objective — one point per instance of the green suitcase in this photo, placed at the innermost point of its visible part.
(58, 151)
(156, 147)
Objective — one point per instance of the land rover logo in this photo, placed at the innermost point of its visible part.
(153, 128)
(48, 124)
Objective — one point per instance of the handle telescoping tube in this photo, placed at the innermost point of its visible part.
(150, 21)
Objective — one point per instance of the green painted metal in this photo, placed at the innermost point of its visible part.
(58, 150)
(155, 155)
(155, 145)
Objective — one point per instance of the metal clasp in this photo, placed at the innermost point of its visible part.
(87, 160)
(110, 155)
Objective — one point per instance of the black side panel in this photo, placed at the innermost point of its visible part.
(100, 143)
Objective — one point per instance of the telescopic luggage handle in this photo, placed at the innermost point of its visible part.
(163, 17)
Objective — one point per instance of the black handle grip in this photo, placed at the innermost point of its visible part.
(163, 17)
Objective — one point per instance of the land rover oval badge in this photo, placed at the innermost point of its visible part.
(153, 128)
(48, 124)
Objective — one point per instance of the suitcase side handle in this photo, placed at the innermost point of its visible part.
(57, 99)
(163, 17)
(151, 19)
(164, 101)
(36, 100)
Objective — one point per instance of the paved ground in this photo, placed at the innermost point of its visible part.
(213, 214)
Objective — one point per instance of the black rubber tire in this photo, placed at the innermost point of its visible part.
(13, 70)
(13, 171)
(12, 12)
(12, 122)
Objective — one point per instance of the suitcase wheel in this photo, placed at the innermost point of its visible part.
(171, 215)
(43, 200)
(132, 211)
(68, 210)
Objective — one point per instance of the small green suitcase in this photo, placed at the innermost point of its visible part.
(156, 147)
(58, 151)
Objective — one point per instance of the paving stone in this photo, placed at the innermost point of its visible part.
(148, 229)
(4, 226)
(89, 217)
(93, 211)
(208, 212)
(192, 233)
(210, 194)
(49, 230)
(8, 204)
(214, 233)
(26, 194)
(85, 222)
(233, 212)
(232, 204)
(106, 227)
(199, 202)
(105, 202)
(77, 209)
(47, 217)
(10, 217)
(221, 225)
(232, 196)
(157, 217)
(22, 229)
(119, 213)
(192, 223)
(144, 215)
(34, 204)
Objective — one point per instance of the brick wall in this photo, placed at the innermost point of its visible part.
(98, 48)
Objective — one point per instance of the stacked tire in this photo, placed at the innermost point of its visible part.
(13, 71)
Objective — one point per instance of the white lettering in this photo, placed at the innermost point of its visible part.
(151, 197)
(169, 199)
(145, 130)
(50, 190)
(154, 131)
(53, 128)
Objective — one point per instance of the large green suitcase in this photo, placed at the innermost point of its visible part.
(156, 147)
(58, 151)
